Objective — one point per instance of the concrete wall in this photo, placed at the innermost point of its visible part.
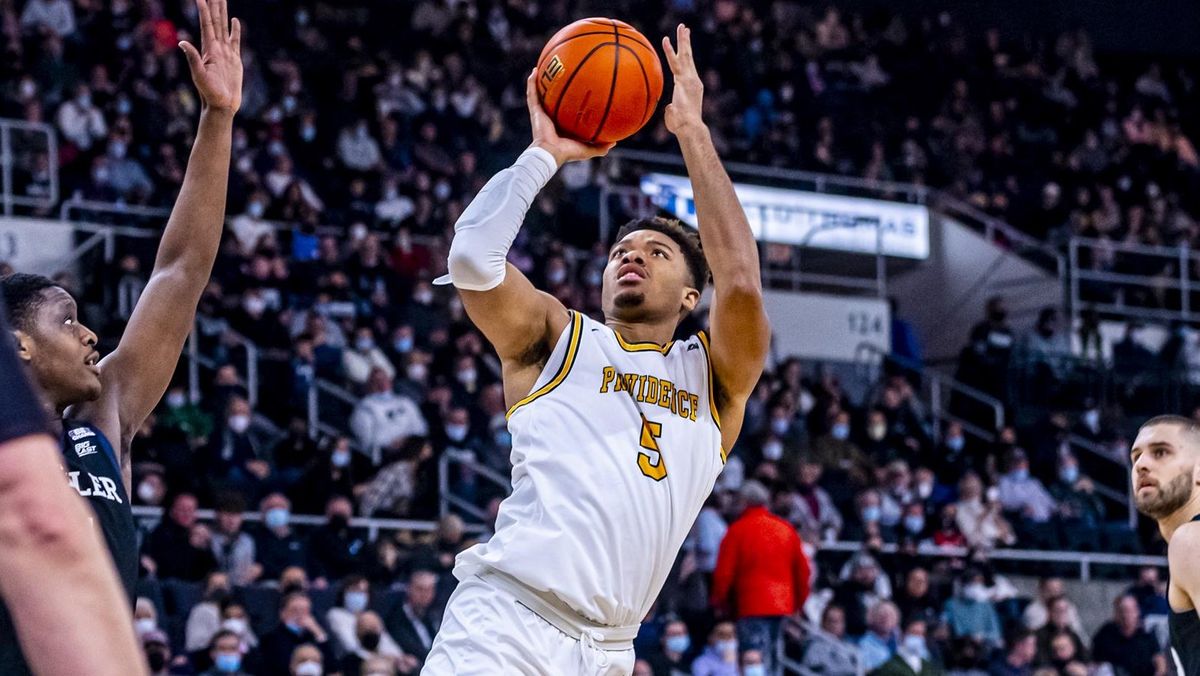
(945, 296)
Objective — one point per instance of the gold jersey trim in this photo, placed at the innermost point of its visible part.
(642, 347)
(563, 369)
(712, 393)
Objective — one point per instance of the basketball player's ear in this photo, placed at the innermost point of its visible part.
(22, 342)
(691, 298)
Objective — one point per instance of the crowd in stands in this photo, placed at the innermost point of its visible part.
(359, 143)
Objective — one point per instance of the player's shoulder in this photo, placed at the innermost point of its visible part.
(1184, 547)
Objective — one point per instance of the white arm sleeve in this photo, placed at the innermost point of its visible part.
(487, 228)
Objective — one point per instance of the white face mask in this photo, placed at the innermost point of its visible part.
(176, 399)
(239, 423)
(144, 625)
(772, 451)
(235, 624)
(309, 668)
(976, 592)
(146, 491)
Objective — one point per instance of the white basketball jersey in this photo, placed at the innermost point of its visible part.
(614, 452)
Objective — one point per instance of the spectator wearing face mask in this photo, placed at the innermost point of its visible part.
(858, 592)
(250, 226)
(225, 651)
(869, 507)
(276, 545)
(369, 640)
(364, 356)
(234, 618)
(673, 653)
(1023, 494)
(145, 616)
(970, 612)
(185, 416)
(720, 656)
(752, 663)
(306, 660)
(297, 628)
(80, 121)
(158, 652)
(233, 457)
(912, 656)
(336, 470)
(840, 456)
(354, 597)
(880, 641)
(335, 548)
(384, 418)
(952, 458)
(978, 514)
(1078, 504)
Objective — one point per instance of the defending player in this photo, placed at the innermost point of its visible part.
(1166, 471)
(618, 432)
(99, 405)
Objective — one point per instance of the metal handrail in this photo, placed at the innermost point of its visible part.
(1085, 560)
(7, 126)
(815, 633)
(937, 383)
(374, 526)
(447, 499)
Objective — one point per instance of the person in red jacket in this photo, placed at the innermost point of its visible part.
(762, 575)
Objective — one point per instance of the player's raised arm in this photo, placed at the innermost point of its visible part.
(514, 316)
(737, 321)
(137, 373)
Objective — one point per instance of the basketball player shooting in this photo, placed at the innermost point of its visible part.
(619, 432)
(1166, 472)
(99, 404)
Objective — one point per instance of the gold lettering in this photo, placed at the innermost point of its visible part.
(664, 399)
(641, 395)
(630, 381)
(681, 401)
(695, 405)
(609, 374)
(650, 390)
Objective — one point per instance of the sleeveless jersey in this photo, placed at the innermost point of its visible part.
(95, 473)
(614, 452)
(1185, 637)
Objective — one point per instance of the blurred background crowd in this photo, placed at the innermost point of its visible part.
(364, 132)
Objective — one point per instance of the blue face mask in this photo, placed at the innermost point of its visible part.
(356, 601)
(914, 524)
(955, 443)
(678, 644)
(294, 628)
(915, 645)
(754, 670)
(840, 431)
(228, 663)
(277, 517)
(403, 344)
(1069, 475)
(871, 514)
(1020, 474)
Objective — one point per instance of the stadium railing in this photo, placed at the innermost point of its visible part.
(803, 633)
(148, 517)
(20, 141)
(1108, 276)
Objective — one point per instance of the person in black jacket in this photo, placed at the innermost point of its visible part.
(414, 623)
(296, 627)
(335, 549)
(179, 547)
(276, 545)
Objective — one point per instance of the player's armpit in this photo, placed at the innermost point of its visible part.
(519, 321)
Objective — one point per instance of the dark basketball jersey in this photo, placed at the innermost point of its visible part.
(1185, 637)
(94, 471)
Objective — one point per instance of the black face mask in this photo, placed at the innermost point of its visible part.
(157, 660)
(369, 641)
(339, 522)
(999, 315)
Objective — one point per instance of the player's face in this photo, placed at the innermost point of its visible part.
(61, 351)
(647, 276)
(1164, 469)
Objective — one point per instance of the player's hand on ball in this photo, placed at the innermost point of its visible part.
(683, 112)
(546, 137)
(217, 68)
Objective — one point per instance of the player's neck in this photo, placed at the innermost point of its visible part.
(1171, 523)
(659, 333)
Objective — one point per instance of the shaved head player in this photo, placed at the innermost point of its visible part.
(99, 404)
(1166, 485)
(619, 432)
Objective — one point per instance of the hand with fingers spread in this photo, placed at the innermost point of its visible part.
(546, 137)
(683, 113)
(217, 67)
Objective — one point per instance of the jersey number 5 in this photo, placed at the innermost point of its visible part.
(651, 462)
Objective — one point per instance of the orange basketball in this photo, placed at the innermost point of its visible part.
(599, 80)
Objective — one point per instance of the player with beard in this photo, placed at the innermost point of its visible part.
(1166, 472)
(98, 405)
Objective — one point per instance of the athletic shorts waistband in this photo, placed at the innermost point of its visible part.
(561, 616)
